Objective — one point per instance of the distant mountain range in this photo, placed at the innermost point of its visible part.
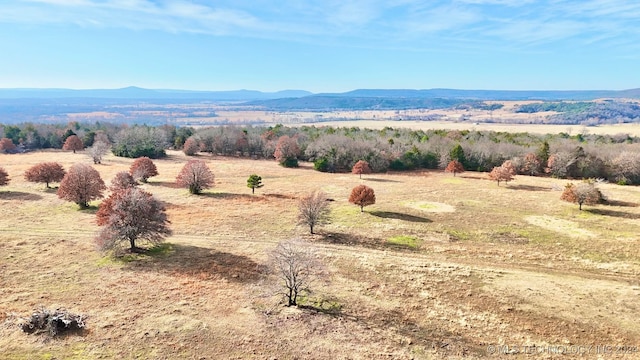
(136, 93)
(306, 97)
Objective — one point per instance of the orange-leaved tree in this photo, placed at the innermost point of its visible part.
(362, 195)
(583, 193)
(45, 173)
(454, 167)
(505, 173)
(143, 168)
(195, 176)
(6, 145)
(361, 167)
(130, 215)
(74, 143)
(81, 184)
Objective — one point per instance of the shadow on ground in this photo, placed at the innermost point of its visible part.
(352, 239)
(19, 195)
(620, 203)
(528, 187)
(200, 262)
(380, 180)
(613, 213)
(399, 216)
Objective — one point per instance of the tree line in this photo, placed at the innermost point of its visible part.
(615, 158)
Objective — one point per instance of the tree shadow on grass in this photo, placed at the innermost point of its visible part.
(168, 184)
(352, 239)
(399, 216)
(199, 262)
(620, 203)
(19, 195)
(613, 213)
(231, 196)
(380, 180)
(528, 187)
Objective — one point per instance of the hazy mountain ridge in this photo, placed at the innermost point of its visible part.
(133, 92)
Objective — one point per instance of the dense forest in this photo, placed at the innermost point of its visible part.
(614, 158)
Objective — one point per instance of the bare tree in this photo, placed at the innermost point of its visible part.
(45, 173)
(81, 184)
(98, 150)
(130, 215)
(295, 266)
(362, 195)
(313, 210)
(195, 176)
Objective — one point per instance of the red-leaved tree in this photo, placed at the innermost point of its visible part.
(362, 195)
(74, 143)
(4, 177)
(287, 151)
(45, 173)
(130, 215)
(122, 181)
(454, 167)
(143, 168)
(361, 167)
(191, 146)
(6, 145)
(81, 184)
(195, 176)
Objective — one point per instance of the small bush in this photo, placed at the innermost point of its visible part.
(53, 322)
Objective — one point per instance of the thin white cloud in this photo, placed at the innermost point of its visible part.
(499, 23)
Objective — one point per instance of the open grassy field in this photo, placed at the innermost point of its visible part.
(439, 267)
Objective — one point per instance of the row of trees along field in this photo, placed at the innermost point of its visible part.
(615, 158)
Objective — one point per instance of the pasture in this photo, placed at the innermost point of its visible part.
(439, 267)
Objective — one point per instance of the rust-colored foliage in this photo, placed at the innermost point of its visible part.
(531, 164)
(45, 173)
(130, 215)
(583, 193)
(74, 143)
(6, 145)
(454, 167)
(4, 177)
(122, 181)
(287, 151)
(361, 167)
(143, 168)
(81, 184)
(362, 195)
(505, 173)
(191, 146)
(195, 176)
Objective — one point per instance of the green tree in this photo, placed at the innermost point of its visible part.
(457, 153)
(254, 181)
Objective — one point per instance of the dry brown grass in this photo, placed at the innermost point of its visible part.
(484, 273)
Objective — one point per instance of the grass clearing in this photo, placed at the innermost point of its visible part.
(433, 270)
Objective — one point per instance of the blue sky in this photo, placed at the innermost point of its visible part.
(321, 45)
